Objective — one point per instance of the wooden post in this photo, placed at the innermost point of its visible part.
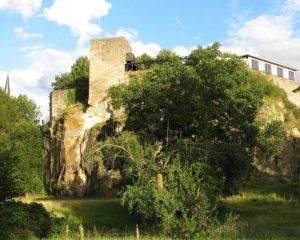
(160, 181)
(137, 231)
(81, 232)
(67, 231)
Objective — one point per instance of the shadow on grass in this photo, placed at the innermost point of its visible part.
(106, 214)
(265, 183)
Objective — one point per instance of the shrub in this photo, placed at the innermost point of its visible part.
(25, 221)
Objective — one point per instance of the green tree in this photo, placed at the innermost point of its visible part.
(63, 81)
(145, 61)
(9, 172)
(27, 108)
(210, 98)
(190, 134)
(78, 77)
(21, 154)
(180, 195)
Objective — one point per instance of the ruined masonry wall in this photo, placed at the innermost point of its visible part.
(107, 60)
(57, 103)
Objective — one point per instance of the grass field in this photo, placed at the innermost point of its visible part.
(105, 216)
(268, 208)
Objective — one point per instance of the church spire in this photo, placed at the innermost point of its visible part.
(7, 87)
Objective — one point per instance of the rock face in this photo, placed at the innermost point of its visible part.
(274, 109)
(288, 86)
(73, 132)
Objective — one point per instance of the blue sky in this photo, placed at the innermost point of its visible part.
(42, 38)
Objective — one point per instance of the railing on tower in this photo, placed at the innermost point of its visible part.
(133, 65)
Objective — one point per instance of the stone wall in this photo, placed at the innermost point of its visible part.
(107, 66)
(57, 103)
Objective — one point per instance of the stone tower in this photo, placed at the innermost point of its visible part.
(107, 68)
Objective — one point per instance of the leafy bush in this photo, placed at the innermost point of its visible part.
(22, 221)
(271, 141)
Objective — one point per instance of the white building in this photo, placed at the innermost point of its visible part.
(269, 67)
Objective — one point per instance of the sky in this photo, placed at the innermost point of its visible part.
(43, 38)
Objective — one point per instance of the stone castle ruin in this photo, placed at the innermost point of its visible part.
(71, 133)
(69, 137)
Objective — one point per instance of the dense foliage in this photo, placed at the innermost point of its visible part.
(21, 154)
(77, 78)
(270, 142)
(190, 135)
(28, 221)
(76, 81)
(210, 99)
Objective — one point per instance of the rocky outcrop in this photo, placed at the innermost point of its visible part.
(73, 129)
(67, 173)
(274, 109)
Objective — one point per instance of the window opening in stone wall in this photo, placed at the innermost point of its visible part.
(291, 75)
(279, 72)
(254, 64)
(268, 68)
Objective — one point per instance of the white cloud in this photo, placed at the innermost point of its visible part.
(265, 29)
(26, 7)
(79, 15)
(129, 33)
(272, 37)
(183, 51)
(22, 34)
(30, 48)
(138, 47)
(152, 49)
(292, 6)
(35, 80)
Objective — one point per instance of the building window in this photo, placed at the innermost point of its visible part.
(254, 64)
(279, 72)
(268, 68)
(291, 75)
